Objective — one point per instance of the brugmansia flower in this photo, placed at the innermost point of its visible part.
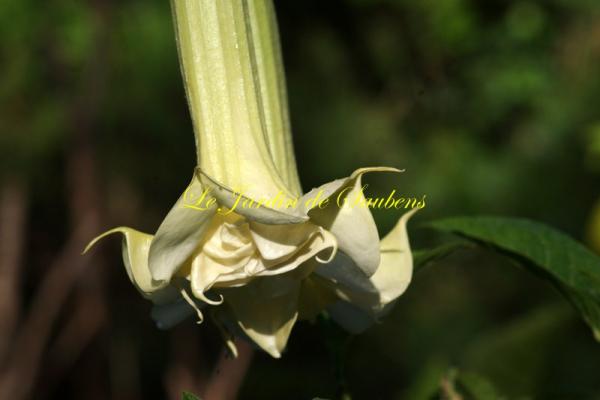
(243, 244)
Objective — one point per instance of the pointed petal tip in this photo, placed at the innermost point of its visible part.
(365, 170)
(95, 240)
(275, 354)
(271, 348)
(409, 214)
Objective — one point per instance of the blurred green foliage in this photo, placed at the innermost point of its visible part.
(491, 106)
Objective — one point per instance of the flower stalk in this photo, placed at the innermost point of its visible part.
(232, 71)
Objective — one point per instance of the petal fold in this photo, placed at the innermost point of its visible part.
(349, 218)
(208, 271)
(266, 319)
(181, 231)
(276, 242)
(361, 296)
(235, 199)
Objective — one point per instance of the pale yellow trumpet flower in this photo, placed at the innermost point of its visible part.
(243, 242)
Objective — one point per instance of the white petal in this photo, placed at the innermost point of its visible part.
(180, 232)
(395, 271)
(207, 272)
(135, 248)
(348, 282)
(320, 242)
(349, 219)
(279, 241)
(376, 293)
(267, 320)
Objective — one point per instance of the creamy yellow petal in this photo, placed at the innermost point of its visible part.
(276, 242)
(348, 282)
(235, 198)
(391, 279)
(208, 272)
(267, 320)
(350, 220)
(135, 248)
(181, 231)
(395, 271)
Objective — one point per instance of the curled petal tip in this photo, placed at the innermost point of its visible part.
(392, 169)
(365, 170)
(204, 298)
(332, 255)
(95, 240)
(192, 303)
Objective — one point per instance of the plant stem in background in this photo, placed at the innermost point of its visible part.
(229, 373)
(13, 216)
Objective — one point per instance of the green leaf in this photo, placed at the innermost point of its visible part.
(188, 396)
(422, 258)
(571, 267)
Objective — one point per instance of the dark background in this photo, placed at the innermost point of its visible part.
(491, 106)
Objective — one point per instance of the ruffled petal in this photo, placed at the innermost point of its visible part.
(208, 272)
(276, 242)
